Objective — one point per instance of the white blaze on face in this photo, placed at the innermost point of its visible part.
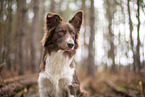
(69, 39)
(69, 42)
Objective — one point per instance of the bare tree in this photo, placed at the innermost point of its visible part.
(60, 5)
(9, 34)
(84, 61)
(144, 54)
(20, 35)
(110, 10)
(52, 6)
(131, 29)
(137, 56)
(91, 65)
(34, 35)
(83, 7)
(1, 28)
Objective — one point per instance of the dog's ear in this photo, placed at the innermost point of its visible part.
(76, 21)
(52, 20)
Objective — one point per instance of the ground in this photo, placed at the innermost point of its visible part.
(124, 80)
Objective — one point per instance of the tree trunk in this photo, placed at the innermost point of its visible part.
(60, 5)
(91, 64)
(9, 36)
(52, 6)
(111, 51)
(1, 29)
(34, 46)
(84, 62)
(131, 29)
(4, 33)
(110, 14)
(144, 54)
(138, 38)
(20, 35)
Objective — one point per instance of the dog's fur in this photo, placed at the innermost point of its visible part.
(57, 77)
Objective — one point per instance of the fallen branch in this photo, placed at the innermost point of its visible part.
(119, 90)
(10, 80)
(16, 86)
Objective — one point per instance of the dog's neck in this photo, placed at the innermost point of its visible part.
(57, 63)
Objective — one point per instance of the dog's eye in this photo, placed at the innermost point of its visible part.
(60, 33)
(73, 33)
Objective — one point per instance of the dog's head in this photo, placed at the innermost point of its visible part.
(61, 35)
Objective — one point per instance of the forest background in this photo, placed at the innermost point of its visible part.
(112, 38)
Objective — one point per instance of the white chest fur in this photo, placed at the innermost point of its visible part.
(57, 67)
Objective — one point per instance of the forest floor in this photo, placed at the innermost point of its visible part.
(106, 84)
(120, 84)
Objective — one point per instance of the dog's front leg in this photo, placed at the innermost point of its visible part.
(64, 88)
(45, 87)
(75, 87)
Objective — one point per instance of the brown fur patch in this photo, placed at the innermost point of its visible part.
(47, 29)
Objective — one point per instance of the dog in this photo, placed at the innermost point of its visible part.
(57, 76)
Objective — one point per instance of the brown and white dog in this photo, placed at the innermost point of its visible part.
(57, 77)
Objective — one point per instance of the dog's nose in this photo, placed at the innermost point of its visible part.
(70, 45)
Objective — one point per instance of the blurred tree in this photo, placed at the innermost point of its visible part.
(4, 32)
(60, 5)
(1, 28)
(42, 14)
(9, 36)
(84, 62)
(14, 12)
(83, 7)
(52, 6)
(91, 65)
(34, 36)
(131, 29)
(110, 10)
(20, 35)
(143, 64)
(137, 56)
